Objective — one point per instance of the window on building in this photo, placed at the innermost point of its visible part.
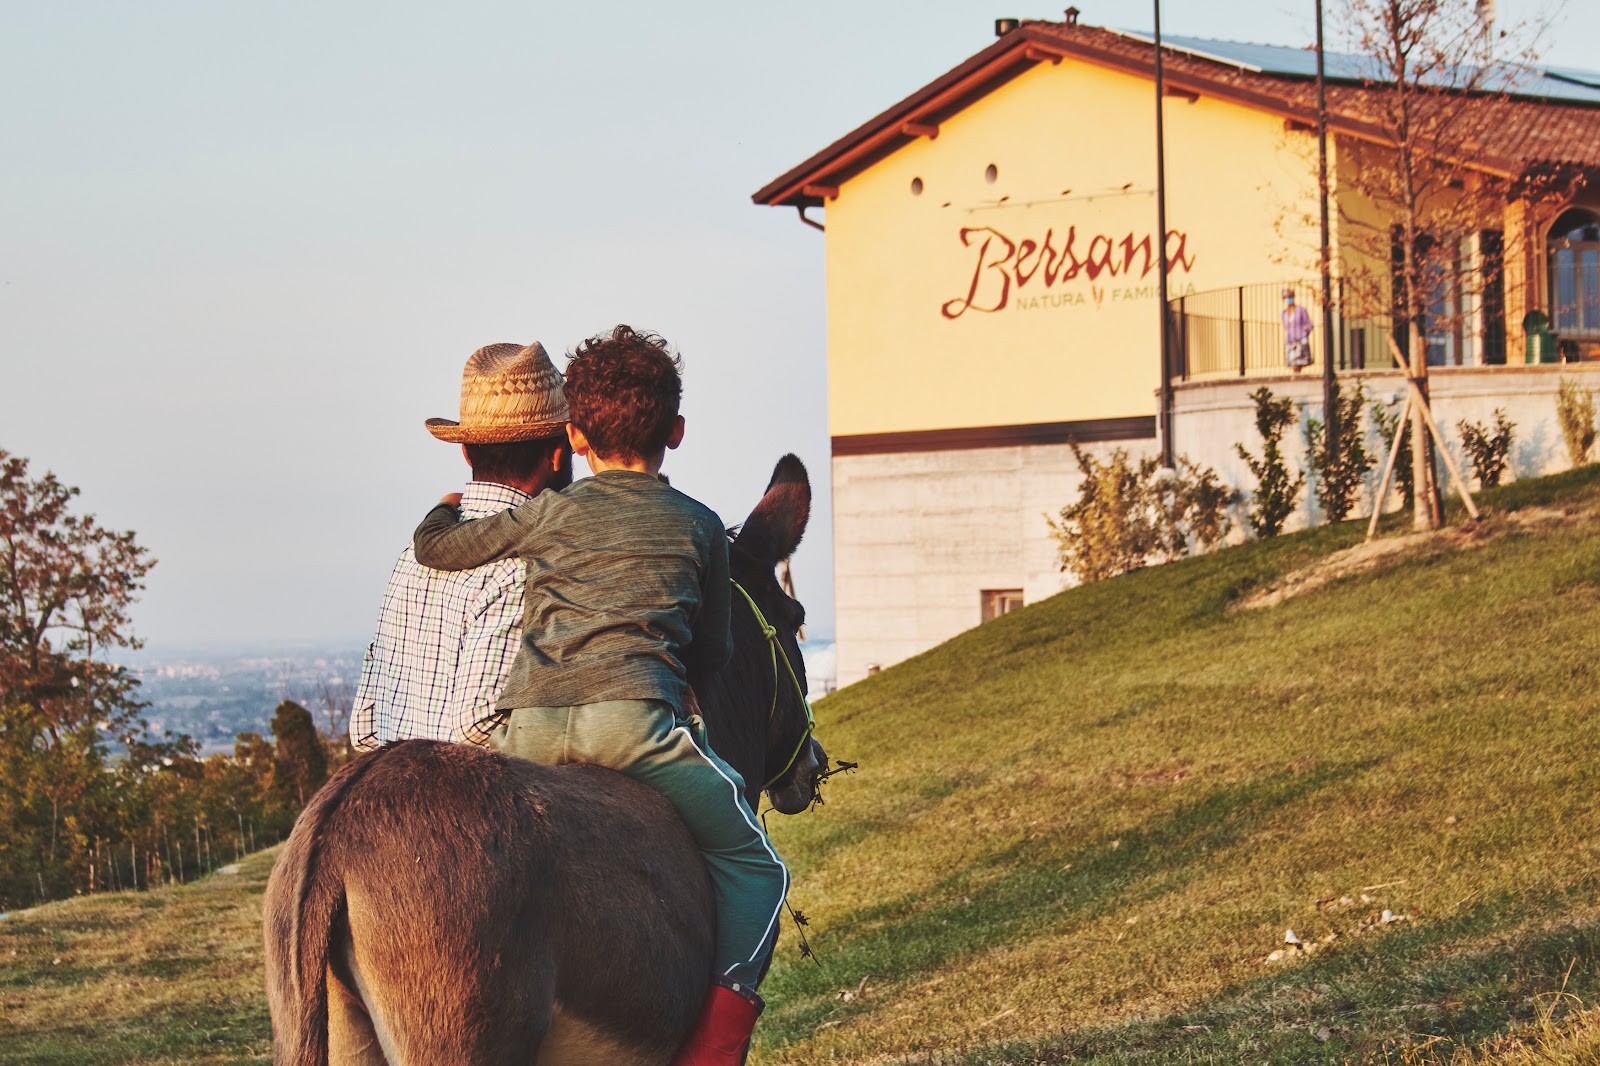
(1575, 274)
(1492, 251)
(997, 602)
(1463, 298)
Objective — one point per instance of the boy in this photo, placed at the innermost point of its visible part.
(627, 599)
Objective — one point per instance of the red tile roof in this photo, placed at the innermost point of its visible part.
(1508, 135)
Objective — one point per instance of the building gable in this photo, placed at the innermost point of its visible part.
(1005, 273)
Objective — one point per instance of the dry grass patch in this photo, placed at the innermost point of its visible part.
(1386, 551)
(168, 976)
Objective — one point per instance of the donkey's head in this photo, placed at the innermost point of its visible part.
(756, 707)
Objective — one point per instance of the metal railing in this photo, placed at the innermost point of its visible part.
(1239, 332)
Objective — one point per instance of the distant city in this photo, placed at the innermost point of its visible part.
(213, 694)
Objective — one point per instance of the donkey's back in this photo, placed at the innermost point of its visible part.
(440, 903)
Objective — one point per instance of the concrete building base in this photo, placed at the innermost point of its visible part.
(920, 536)
(1210, 417)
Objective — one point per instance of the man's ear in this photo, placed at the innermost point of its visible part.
(675, 438)
(556, 455)
(575, 437)
(465, 456)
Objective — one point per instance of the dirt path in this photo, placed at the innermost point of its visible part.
(1389, 550)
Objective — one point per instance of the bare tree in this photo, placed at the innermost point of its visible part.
(337, 700)
(1427, 179)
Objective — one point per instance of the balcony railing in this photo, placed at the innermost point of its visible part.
(1239, 333)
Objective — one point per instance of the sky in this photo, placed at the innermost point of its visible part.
(245, 250)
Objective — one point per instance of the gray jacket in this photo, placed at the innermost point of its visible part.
(627, 594)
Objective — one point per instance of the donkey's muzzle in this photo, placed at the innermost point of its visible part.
(795, 791)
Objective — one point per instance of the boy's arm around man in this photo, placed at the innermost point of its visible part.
(443, 542)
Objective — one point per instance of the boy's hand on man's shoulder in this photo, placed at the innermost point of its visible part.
(451, 499)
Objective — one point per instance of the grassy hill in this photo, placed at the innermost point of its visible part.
(1080, 833)
(169, 976)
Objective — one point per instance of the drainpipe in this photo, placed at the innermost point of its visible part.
(800, 209)
(1330, 416)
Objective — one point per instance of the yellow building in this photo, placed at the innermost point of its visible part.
(992, 290)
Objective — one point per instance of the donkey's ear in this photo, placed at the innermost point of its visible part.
(774, 528)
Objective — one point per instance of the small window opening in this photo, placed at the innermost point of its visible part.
(996, 602)
(916, 186)
(991, 174)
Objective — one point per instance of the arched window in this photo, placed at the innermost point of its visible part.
(1574, 245)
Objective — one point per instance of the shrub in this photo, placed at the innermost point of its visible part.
(1276, 491)
(1342, 471)
(1129, 514)
(1487, 449)
(1194, 504)
(1575, 408)
(1388, 423)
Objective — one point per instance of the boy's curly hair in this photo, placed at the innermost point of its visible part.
(622, 391)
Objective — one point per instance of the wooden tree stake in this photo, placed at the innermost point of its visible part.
(1433, 428)
(1388, 467)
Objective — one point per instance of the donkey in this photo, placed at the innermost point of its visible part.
(447, 904)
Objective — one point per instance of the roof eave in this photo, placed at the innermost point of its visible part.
(885, 132)
(816, 180)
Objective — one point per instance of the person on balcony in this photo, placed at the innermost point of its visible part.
(1296, 333)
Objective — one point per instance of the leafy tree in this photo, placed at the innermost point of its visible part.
(66, 586)
(1108, 530)
(1193, 503)
(301, 765)
(89, 800)
(1276, 491)
(1340, 464)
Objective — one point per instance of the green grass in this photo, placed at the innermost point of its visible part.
(169, 976)
(1079, 831)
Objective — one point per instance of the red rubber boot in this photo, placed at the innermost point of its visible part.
(722, 1035)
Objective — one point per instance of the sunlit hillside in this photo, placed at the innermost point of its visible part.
(1081, 833)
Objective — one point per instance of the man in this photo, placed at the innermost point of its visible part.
(446, 641)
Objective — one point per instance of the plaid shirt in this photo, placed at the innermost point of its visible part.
(445, 643)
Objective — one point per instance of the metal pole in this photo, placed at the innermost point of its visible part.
(1167, 452)
(1330, 415)
(1241, 332)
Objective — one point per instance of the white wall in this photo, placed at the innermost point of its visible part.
(919, 535)
(1210, 417)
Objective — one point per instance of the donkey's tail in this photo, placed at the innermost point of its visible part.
(302, 902)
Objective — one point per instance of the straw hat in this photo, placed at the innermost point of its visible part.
(508, 393)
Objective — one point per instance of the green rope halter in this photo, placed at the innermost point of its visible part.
(772, 641)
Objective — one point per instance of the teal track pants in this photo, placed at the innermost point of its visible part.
(647, 741)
